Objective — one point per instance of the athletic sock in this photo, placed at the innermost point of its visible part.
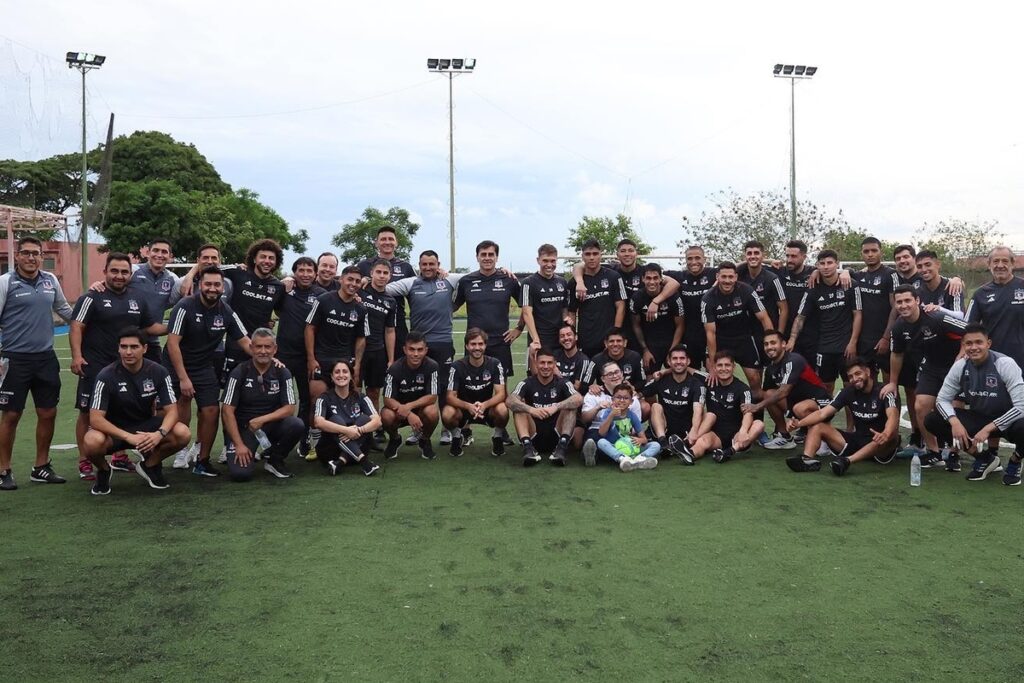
(563, 441)
(915, 438)
(786, 435)
(526, 441)
(662, 441)
(366, 464)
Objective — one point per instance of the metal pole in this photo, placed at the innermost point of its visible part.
(792, 158)
(451, 174)
(85, 198)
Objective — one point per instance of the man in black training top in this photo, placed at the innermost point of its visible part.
(292, 312)
(631, 274)
(693, 284)
(487, 293)
(876, 283)
(259, 408)
(629, 361)
(999, 305)
(932, 340)
(572, 364)
(794, 274)
(838, 312)
(545, 300)
(993, 391)
(382, 313)
(935, 288)
(410, 397)
(387, 244)
(154, 283)
(655, 337)
(677, 405)
(876, 422)
(336, 329)
(726, 430)
(255, 295)
(133, 406)
(731, 313)
(476, 394)
(99, 317)
(767, 285)
(197, 328)
(604, 305)
(327, 272)
(544, 406)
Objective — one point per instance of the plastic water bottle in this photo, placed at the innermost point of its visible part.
(915, 471)
(261, 437)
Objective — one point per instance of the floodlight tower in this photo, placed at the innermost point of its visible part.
(793, 72)
(451, 68)
(84, 62)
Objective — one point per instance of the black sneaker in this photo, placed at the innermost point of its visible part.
(277, 468)
(803, 464)
(1011, 477)
(154, 475)
(102, 485)
(391, 450)
(800, 435)
(7, 481)
(467, 437)
(371, 470)
(202, 468)
(558, 457)
(840, 465)
(304, 447)
(681, 449)
(46, 475)
(506, 439)
(497, 446)
(427, 450)
(930, 460)
(953, 462)
(455, 449)
(530, 456)
(722, 454)
(984, 465)
(334, 467)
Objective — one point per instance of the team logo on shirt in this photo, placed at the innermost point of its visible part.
(165, 286)
(133, 305)
(1018, 294)
(486, 376)
(47, 284)
(148, 386)
(604, 282)
(878, 280)
(736, 302)
(419, 379)
(440, 284)
(560, 287)
(554, 392)
(353, 316)
(991, 381)
(271, 289)
(499, 285)
(218, 322)
(4, 400)
(273, 386)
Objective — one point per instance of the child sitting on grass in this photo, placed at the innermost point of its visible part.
(622, 438)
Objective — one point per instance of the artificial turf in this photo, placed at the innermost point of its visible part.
(478, 569)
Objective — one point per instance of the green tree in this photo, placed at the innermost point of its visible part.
(151, 155)
(958, 240)
(763, 216)
(607, 231)
(356, 240)
(53, 184)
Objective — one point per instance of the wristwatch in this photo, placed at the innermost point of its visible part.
(163, 432)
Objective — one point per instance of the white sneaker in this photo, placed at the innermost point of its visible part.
(824, 450)
(644, 462)
(181, 459)
(413, 438)
(223, 457)
(446, 437)
(590, 453)
(779, 442)
(193, 453)
(627, 464)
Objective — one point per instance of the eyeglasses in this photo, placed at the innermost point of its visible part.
(30, 254)
(613, 373)
(622, 398)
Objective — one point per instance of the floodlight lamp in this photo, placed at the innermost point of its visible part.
(84, 59)
(470, 63)
(800, 70)
(787, 70)
(432, 63)
(457, 64)
(444, 63)
(777, 70)
(811, 70)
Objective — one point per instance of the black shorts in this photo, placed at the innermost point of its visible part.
(696, 349)
(546, 438)
(725, 432)
(678, 426)
(465, 420)
(205, 383)
(374, 369)
(829, 365)
(150, 425)
(503, 353)
(908, 374)
(858, 440)
(86, 386)
(744, 350)
(866, 349)
(25, 373)
(929, 380)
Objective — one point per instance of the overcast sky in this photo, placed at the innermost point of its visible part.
(575, 108)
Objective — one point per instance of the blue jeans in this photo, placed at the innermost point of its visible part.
(651, 450)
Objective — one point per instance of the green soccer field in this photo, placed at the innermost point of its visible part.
(476, 569)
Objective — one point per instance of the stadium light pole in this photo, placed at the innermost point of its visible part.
(793, 72)
(451, 68)
(84, 62)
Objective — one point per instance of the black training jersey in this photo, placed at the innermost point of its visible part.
(935, 337)
(292, 312)
(677, 398)
(940, 296)
(868, 407)
(338, 324)
(475, 384)
(596, 313)
(254, 394)
(1001, 309)
(914, 280)
(659, 332)
(382, 312)
(155, 289)
(333, 286)
(548, 298)
(876, 286)
(993, 388)
(793, 369)
(631, 364)
(794, 284)
(406, 384)
(768, 286)
(834, 307)
(535, 393)
(253, 298)
(487, 299)
(692, 289)
(202, 328)
(632, 280)
(577, 368)
(399, 269)
(128, 398)
(104, 315)
(345, 411)
(734, 314)
(724, 401)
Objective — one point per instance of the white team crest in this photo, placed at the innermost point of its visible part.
(991, 381)
(271, 289)
(165, 286)
(499, 285)
(133, 305)
(878, 280)
(148, 386)
(419, 379)
(560, 287)
(440, 284)
(274, 386)
(47, 284)
(1018, 294)
(736, 302)
(554, 392)
(218, 322)
(353, 316)
(604, 282)
(486, 376)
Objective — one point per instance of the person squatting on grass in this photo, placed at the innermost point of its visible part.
(476, 395)
(347, 420)
(544, 406)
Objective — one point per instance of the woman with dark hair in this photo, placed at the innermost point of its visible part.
(347, 420)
